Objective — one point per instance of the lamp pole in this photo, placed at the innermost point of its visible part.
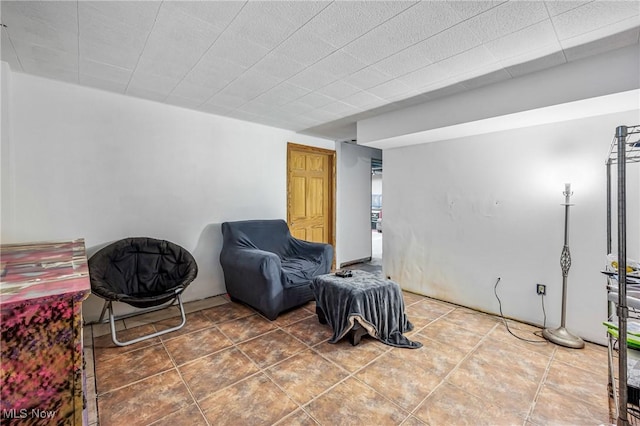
(561, 336)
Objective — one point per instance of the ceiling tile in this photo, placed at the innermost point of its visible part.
(47, 69)
(340, 108)
(216, 109)
(113, 54)
(507, 18)
(295, 107)
(217, 14)
(250, 85)
(339, 89)
(316, 100)
(136, 14)
(305, 47)
(182, 102)
(105, 71)
(312, 79)
(344, 21)
(487, 78)
(478, 57)
(424, 76)
(238, 49)
(108, 29)
(363, 99)
(225, 101)
(282, 94)
(148, 94)
(573, 51)
(277, 65)
(409, 27)
(99, 83)
(368, 77)
(8, 52)
(538, 64)
(469, 9)
(40, 54)
(594, 15)
(49, 24)
(535, 37)
(258, 108)
(392, 90)
(214, 72)
(556, 7)
(338, 64)
(194, 92)
(157, 84)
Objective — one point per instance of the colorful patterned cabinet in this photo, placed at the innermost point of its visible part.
(42, 286)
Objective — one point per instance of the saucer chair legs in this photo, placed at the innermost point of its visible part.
(108, 306)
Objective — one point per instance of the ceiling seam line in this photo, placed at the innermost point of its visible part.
(274, 48)
(207, 50)
(555, 31)
(14, 48)
(146, 41)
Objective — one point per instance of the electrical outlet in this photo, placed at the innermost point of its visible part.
(541, 289)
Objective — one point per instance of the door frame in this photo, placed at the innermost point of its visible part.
(332, 186)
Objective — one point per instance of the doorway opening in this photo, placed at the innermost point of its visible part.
(376, 211)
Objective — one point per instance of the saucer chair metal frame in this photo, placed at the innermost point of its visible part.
(168, 270)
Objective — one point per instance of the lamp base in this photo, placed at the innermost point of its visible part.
(560, 336)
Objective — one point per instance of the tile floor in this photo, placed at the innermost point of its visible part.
(230, 366)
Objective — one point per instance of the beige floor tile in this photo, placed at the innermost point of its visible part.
(130, 367)
(195, 321)
(350, 357)
(188, 347)
(411, 298)
(187, 416)
(246, 328)
(310, 331)
(152, 317)
(573, 382)
(407, 376)
(450, 333)
(592, 357)
(450, 405)
(271, 348)
(292, 316)
(297, 418)
(555, 407)
(306, 375)
(227, 312)
(136, 405)
(254, 401)
(207, 375)
(104, 348)
(472, 320)
(354, 403)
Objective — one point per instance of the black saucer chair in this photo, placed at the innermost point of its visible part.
(144, 273)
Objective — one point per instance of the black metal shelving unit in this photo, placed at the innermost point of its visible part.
(625, 149)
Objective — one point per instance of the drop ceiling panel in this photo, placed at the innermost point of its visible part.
(316, 63)
(507, 18)
(135, 14)
(535, 37)
(344, 21)
(282, 94)
(595, 15)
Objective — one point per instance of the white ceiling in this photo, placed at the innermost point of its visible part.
(310, 66)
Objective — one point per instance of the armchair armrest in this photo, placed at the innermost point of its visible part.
(322, 250)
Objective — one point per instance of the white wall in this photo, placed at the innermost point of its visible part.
(489, 206)
(5, 135)
(376, 184)
(353, 215)
(102, 166)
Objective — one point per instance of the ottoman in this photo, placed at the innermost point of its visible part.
(362, 304)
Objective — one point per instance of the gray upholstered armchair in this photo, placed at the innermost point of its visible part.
(268, 269)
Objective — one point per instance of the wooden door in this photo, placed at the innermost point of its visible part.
(310, 193)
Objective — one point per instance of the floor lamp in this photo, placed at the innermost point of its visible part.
(561, 336)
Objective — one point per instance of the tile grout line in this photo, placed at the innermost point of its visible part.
(543, 379)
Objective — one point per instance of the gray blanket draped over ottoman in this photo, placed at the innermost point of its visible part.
(367, 300)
